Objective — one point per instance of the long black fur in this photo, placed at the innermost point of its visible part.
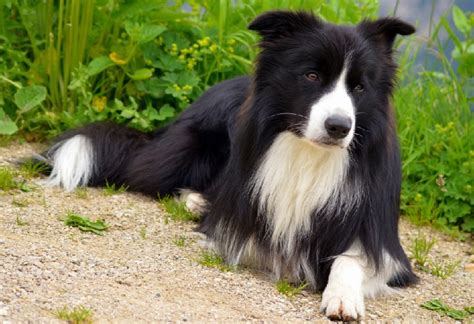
(218, 142)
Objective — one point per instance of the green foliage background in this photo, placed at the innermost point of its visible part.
(65, 63)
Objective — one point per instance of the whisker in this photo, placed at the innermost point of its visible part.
(291, 114)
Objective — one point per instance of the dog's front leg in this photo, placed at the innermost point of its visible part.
(343, 298)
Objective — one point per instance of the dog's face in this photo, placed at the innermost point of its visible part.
(326, 81)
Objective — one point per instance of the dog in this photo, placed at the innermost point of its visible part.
(295, 170)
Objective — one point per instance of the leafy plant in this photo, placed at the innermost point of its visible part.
(288, 289)
(85, 224)
(75, 315)
(443, 309)
(177, 210)
(435, 128)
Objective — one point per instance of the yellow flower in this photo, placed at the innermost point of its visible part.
(204, 42)
(187, 87)
(231, 42)
(99, 103)
(115, 57)
(176, 87)
(213, 48)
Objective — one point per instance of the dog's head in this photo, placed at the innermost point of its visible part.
(324, 80)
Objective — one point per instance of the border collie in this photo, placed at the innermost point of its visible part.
(295, 170)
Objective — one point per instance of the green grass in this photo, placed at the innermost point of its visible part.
(443, 309)
(288, 289)
(212, 260)
(177, 210)
(20, 202)
(111, 189)
(420, 250)
(75, 315)
(143, 232)
(85, 224)
(180, 241)
(81, 193)
(21, 222)
(443, 269)
(31, 169)
(7, 179)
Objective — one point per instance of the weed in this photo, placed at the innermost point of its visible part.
(143, 232)
(85, 224)
(442, 269)
(288, 289)
(7, 179)
(180, 241)
(213, 260)
(420, 250)
(443, 309)
(177, 210)
(31, 169)
(21, 222)
(76, 315)
(113, 189)
(81, 192)
(20, 202)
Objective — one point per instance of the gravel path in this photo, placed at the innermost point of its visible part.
(137, 272)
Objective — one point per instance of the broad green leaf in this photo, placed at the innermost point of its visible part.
(29, 97)
(150, 32)
(142, 74)
(7, 126)
(143, 33)
(460, 20)
(166, 112)
(128, 113)
(99, 64)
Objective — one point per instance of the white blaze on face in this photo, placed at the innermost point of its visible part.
(336, 102)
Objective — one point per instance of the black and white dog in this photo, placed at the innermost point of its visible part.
(295, 170)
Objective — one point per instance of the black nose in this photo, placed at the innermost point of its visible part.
(338, 126)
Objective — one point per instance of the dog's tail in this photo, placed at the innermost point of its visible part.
(92, 156)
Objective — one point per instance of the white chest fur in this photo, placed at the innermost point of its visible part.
(295, 179)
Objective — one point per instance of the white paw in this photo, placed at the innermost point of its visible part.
(343, 304)
(193, 201)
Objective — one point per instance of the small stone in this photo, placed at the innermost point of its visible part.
(469, 267)
(3, 311)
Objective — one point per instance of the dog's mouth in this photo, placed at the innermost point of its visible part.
(327, 143)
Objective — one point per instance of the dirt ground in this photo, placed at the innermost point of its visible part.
(136, 271)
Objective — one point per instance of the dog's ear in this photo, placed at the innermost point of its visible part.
(385, 30)
(274, 25)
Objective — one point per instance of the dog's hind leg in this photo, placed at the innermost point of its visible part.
(186, 156)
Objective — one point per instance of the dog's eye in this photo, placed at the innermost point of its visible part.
(359, 88)
(312, 76)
